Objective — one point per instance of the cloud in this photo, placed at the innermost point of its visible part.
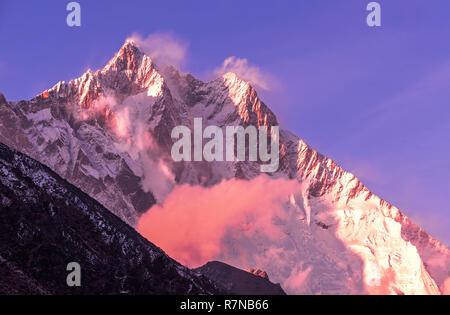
(100, 106)
(260, 223)
(252, 74)
(167, 49)
(164, 48)
(385, 285)
(127, 124)
(135, 139)
(297, 280)
(196, 224)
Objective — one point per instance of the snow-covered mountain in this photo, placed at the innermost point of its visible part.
(109, 133)
(47, 223)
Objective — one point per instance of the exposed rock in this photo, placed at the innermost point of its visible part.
(240, 282)
(259, 273)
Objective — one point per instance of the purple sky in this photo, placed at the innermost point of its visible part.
(376, 100)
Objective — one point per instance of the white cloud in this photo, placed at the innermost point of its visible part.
(249, 73)
(167, 49)
(164, 48)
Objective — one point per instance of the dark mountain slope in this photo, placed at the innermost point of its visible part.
(46, 223)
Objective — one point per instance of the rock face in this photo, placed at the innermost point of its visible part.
(46, 223)
(259, 273)
(109, 133)
(238, 281)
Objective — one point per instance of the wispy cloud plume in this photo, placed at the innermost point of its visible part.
(194, 222)
(127, 124)
(250, 73)
(164, 48)
(135, 138)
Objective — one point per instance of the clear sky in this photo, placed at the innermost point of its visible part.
(376, 100)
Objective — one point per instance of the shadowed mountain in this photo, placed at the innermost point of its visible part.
(238, 281)
(46, 223)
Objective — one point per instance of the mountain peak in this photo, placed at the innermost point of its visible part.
(130, 41)
(130, 44)
(233, 79)
(129, 57)
(129, 72)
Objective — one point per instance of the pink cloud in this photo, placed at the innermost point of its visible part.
(194, 223)
(296, 282)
